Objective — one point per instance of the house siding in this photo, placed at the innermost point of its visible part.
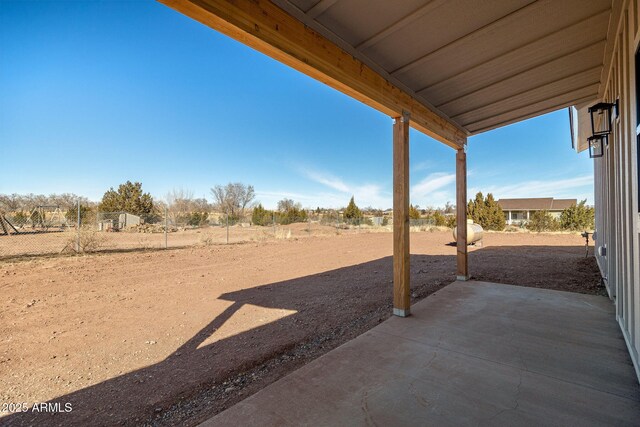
(616, 184)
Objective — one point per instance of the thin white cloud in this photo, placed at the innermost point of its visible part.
(328, 180)
(432, 183)
(367, 194)
(569, 188)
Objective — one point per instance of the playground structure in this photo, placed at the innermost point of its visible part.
(42, 219)
(6, 227)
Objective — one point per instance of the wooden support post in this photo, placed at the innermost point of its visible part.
(461, 214)
(401, 286)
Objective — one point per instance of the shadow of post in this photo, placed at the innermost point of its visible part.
(322, 302)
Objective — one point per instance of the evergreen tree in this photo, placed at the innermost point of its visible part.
(129, 198)
(578, 217)
(495, 219)
(486, 212)
(352, 212)
(294, 214)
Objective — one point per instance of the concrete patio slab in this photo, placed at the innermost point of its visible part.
(473, 353)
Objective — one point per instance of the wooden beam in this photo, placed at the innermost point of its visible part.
(461, 215)
(401, 278)
(265, 27)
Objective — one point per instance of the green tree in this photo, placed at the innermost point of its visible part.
(85, 214)
(414, 212)
(353, 212)
(578, 217)
(290, 212)
(542, 221)
(293, 214)
(476, 209)
(486, 212)
(495, 219)
(129, 198)
(261, 216)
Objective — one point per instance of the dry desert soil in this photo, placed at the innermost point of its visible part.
(172, 337)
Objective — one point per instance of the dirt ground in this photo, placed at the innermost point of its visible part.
(172, 337)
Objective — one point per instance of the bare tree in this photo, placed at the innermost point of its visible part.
(201, 205)
(10, 202)
(449, 208)
(233, 198)
(179, 201)
(26, 202)
(285, 205)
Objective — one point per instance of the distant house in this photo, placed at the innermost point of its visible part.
(518, 211)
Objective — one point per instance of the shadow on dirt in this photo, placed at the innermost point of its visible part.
(329, 309)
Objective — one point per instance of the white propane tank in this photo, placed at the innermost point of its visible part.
(474, 232)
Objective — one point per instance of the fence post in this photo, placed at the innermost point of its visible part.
(166, 227)
(273, 217)
(227, 228)
(78, 230)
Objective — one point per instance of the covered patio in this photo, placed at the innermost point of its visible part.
(472, 353)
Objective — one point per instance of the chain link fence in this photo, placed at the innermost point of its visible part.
(52, 230)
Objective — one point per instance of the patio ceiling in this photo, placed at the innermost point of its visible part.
(482, 63)
(463, 66)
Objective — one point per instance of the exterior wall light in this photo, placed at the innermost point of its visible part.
(596, 145)
(601, 116)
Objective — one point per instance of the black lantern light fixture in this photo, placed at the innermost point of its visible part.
(596, 145)
(601, 116)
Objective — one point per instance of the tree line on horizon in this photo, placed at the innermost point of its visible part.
(235, 200)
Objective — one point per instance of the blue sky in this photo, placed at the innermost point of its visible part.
(96, 93)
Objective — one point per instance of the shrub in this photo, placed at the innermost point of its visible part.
(451, 221)
(197, 219)
(261, 216)
(414, 213)
(439, 220)
(88, 239)
(542, 221)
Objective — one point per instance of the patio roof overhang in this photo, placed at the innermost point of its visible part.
(458, 66)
